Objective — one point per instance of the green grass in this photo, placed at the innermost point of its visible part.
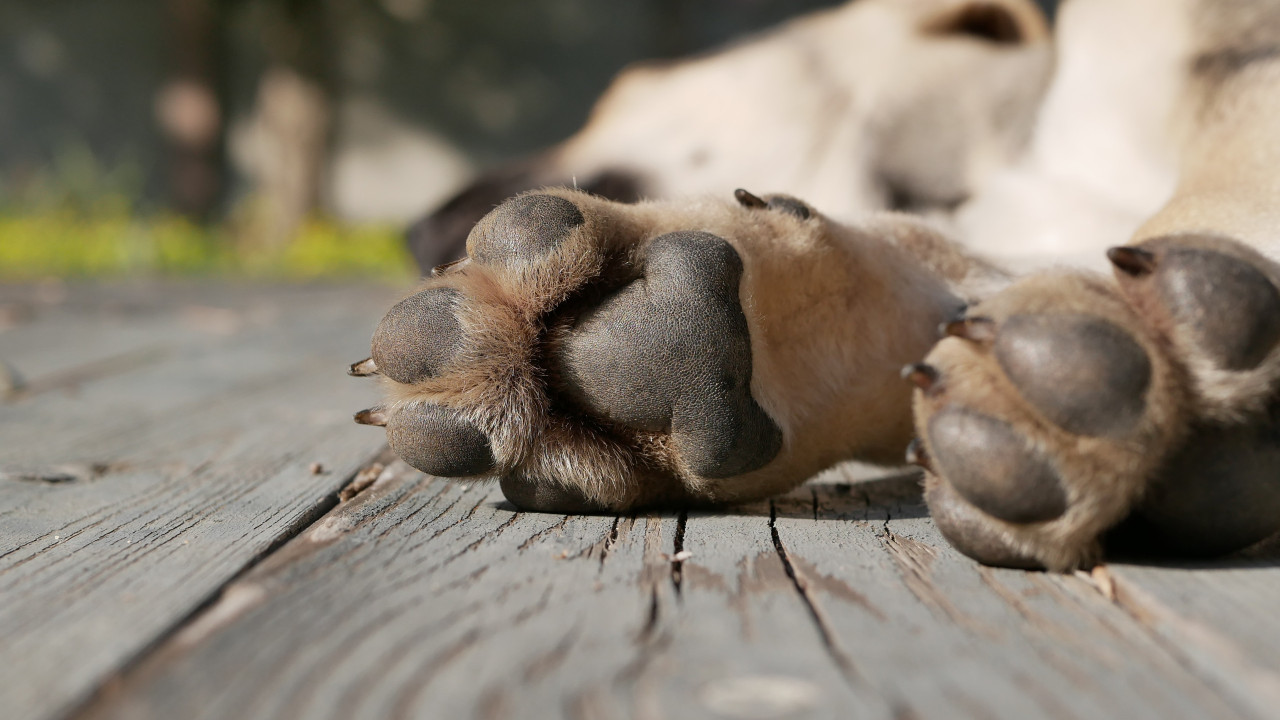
(108, 242)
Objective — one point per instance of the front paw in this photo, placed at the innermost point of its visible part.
(598, 357)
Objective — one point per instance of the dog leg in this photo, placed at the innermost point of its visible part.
(601, 356)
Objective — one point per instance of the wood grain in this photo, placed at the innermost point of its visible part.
(425, 599)
(174, 475)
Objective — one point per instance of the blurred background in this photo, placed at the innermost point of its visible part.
(293, 138)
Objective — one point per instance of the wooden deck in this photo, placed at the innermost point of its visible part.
(192, 527)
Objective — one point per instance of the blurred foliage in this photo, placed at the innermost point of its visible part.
(110, 240)
(80, 217)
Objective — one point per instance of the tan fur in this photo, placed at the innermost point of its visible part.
(1105, 477)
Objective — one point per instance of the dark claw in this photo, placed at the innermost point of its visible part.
(439, 270)
(974, 329)
(791, 206)
(746, 199)
(921, 375)
(372, 416)
(364, 368)
(1133, 261)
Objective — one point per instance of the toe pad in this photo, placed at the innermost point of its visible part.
(991, 467)
(439, 442)
(418, 336)
(526, 228)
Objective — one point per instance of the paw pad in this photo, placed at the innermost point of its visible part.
(1224, 301)
(990, 464)
(438, 441)
(1086, 375)
(670, 353)
(523, 229)
(1038, 415)
(419, 336)
(1219, 492)
(969, 531)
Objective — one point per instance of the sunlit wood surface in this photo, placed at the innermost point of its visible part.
(192, 527)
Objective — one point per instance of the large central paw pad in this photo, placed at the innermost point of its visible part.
(670, 353)
(588, 361)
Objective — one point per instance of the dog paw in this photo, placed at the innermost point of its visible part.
(599, 356)
(1067, 403)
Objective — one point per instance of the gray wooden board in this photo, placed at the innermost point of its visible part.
(945, 637)
(202, 408)
(1220, 618)
(425, 599)
(204, 462)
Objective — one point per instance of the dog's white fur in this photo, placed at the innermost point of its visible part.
(1048, 151)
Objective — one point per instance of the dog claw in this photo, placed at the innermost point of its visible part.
(364, 368)
(917, 455)
(439, 270)
(1133, 261)
(921, 375)
(373, 416)
(974, 329)
(749, 200)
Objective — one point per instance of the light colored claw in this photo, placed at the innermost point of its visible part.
(917, 456)
(372, 416)
(975, 329)
(439, 270)
(364, 368)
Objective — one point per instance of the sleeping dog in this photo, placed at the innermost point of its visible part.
(950, 179)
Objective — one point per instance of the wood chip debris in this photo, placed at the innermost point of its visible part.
(363, 480)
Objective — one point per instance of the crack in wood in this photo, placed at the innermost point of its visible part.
(481, 540)
(651, 620)
(677, 555)
(88, 372)
(61, 474)
(915, 561)
(604, 545)
(103, 689)
(538, 535)
(651, 640)
(829, 642)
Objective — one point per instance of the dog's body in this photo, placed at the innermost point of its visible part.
(1058, 405)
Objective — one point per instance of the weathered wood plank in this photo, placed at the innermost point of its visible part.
(1219, 619)
(204, 463)
(944, 637)
(424, 599)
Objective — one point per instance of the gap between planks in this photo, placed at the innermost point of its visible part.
(357, 482)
